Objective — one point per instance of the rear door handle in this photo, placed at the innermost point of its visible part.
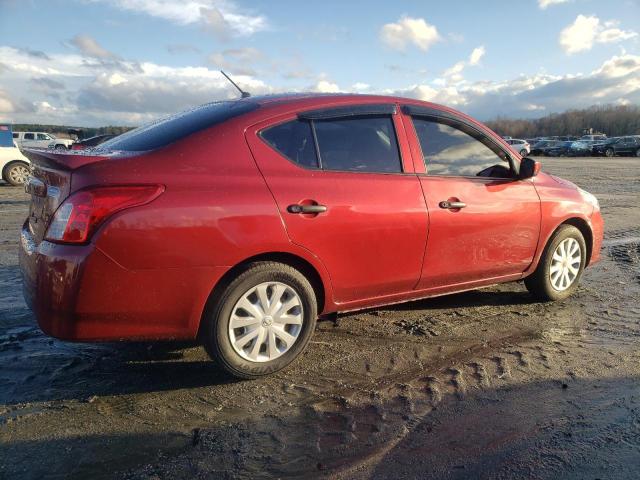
(297, 208)
(452, 205)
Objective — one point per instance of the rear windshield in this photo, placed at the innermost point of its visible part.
(170, 129)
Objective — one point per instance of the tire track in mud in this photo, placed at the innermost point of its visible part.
(336, 434)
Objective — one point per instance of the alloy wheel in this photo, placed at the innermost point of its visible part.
(266, 322)
(18, 174)
(565, 264)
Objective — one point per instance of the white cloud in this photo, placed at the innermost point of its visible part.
(476, 55)
(360, 87)
(616, 81)
(90, 92)
(585, 31)
(543, 4)
(453, 74)
(6, 106)
(222, 17)
(325, 86)
(90, 47)
(239, 61)
(409, 30)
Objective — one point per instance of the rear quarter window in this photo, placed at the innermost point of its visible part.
(163, 132)
(294, 140)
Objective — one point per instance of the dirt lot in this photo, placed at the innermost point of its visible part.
(486, 384)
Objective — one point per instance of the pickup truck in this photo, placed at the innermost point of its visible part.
(41, 140)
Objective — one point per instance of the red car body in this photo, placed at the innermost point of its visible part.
(149, 270)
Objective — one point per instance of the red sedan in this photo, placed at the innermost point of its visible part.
(239, 222)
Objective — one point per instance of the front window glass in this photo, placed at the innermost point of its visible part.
(452, 148)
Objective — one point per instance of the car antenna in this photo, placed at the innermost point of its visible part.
(243, 94)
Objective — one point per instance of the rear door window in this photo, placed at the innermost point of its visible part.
(348, 144)
(365, 144)
(29, 136)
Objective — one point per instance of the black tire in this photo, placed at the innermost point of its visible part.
(61, 147)
(10, 172)
(609, 152)
(523, 152)
(539, 282)
(216, 337)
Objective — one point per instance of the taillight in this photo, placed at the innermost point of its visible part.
(82, 213)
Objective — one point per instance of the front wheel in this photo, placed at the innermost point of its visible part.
(261, 321)
(609, 152)
(560, 267)
(638, 153)
(523, 152)
(16, 173)
(61, 147)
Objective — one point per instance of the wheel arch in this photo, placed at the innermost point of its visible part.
(320, 286)
(584, 227)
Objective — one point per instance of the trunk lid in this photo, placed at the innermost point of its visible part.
(50, 184)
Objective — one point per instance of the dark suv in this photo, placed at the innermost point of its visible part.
(618, 146)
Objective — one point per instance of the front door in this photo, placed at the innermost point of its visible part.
(345, 194)
(484, 223)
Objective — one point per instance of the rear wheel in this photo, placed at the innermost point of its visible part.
(523, 152)
(261, 321)
(61, 147)
(560, 267)
(16, 173)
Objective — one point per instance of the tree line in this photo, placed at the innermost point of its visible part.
(613, 120)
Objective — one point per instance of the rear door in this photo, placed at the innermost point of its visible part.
(342, 179)
(484, 223)
(29, 140)
(626, 146)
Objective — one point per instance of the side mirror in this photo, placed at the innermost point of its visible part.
(529, 168)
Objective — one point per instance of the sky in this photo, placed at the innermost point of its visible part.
(126, 62)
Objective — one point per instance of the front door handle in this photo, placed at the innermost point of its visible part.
(452, 205)
(297, 208)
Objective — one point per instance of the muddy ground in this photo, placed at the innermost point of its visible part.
(485, 384)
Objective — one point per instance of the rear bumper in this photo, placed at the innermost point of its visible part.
(79, 293)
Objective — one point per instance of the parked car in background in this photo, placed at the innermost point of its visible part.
(580, 148)
(239, 222)
(91, 142)
(629, 145)
(520, 146)
(561, 149)
(542, 148)
(14, 166)
(41, 140)
(594, 138)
